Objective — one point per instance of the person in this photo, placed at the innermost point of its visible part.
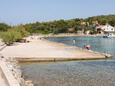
(74, 41)
(87, 47)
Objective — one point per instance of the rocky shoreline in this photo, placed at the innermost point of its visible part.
(12, 72)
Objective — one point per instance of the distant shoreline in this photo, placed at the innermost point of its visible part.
(67, 35)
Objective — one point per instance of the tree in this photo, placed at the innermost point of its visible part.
(112, 22)
(4, 27)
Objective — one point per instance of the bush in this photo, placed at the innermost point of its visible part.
(10, 36)
(21, 30)
(13, 35)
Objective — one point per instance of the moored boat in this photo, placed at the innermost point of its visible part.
(109, 35)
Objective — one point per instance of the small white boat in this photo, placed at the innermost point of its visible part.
(109, 35)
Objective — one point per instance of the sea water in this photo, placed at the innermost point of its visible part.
(75, 73)
(100, 44)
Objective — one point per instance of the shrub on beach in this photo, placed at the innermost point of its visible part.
(21, 30)
(12, 35)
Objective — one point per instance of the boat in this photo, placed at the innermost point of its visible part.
(109, 35)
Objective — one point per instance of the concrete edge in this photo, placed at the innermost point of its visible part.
(54, 59)
(8, 74)
(4, 77)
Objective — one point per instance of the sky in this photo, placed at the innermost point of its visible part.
(26, 11)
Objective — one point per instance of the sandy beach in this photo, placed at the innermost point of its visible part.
(46, 50)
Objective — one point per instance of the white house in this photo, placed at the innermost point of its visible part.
(105, 29)
(108, 28)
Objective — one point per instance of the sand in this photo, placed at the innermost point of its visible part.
(43, 49)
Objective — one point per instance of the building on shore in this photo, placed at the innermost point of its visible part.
(105, 29)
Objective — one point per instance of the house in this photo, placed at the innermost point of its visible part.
(87, 32)
(71, 30)
(103, 29)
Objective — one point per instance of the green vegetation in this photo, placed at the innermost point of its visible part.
(4, 27)
(11, 34)
(63, 26)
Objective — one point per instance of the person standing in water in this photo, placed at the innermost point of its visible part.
(74, 41)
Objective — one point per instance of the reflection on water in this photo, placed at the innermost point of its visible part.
(76, 73)
(87, 73)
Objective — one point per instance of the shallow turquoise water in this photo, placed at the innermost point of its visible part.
(100, 44)
(75, 73)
